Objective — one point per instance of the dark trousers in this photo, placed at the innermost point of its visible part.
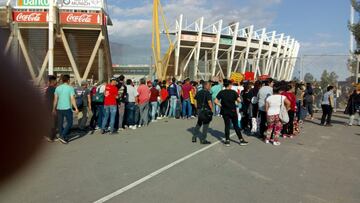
(52, 135)
(327, 112)
(245, 120)
(289, 127)
(205, 126)
(231, 118)
(130, 113)
(309, 108)
(263, 121)
(62, 115)
(163, 108)
(93, 120)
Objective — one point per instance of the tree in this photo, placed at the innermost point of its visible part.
(328, 79)
(355, 28)
(309, 78)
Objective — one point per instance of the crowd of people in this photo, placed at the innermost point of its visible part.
(268, 109)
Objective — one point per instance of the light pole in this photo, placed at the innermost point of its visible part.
(51, 37)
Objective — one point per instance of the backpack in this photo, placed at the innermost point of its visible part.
(99, 97)
(80, 98)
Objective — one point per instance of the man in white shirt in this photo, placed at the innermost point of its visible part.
(132, 95)
(264, 93)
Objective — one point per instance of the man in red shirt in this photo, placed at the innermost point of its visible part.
(111, 95)
(154, 94)
(186, 104)
(144, 97)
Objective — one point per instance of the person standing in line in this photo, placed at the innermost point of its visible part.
(227, 100)
(122, 99)
(246, 109)
(254, 106)
(50, 94)
(84, 104)
(214, 92)
(288, 128)
(163, 101)
(110, 104)
(353, 106)
(308, 100)
(154, 95)
(186, 103)
(203, 102)
(327, 106)
(93, 119)
(99, 103)
(273, 109)
(174, 96)
(143, 98)
(132, 95)
(264, 92)
(63, 100)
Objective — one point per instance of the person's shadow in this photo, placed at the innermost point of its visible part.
(212, 132)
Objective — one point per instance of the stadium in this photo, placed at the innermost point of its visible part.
(203, 51)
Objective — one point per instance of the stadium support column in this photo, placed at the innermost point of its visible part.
(248, 43)
(15, 44)
(178, 44)
(279, 45)
(283, 60)
(289, 59)
(101, 65)
(232, 51)
(270, 53)
(198, 47)
(215, 53)
(257, 71)
(294, 59)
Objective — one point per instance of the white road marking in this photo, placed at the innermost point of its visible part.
(138, 182)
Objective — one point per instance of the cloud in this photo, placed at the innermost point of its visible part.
(246, 12)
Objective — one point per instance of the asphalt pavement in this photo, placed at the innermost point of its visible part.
(321, 165)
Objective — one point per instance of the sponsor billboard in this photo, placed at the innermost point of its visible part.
(30, 17)
(82, 3)
(81, 18)
(33, 3)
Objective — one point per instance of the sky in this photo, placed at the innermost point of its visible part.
(319, 25)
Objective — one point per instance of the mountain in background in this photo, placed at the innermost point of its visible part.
(129, 54)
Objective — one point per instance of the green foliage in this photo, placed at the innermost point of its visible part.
(355, 28)
(328, 79)
(309, 78)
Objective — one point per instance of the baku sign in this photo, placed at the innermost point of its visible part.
(30, 17)
(33, 3)
(80, 18)
(82, 3)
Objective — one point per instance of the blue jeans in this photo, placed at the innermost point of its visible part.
(154, 110)
(61, 115)
(130, 113)
(109, 111)
(100, 112)
(186, 104)
(173, 101)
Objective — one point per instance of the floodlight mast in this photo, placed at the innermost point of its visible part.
(161, 64)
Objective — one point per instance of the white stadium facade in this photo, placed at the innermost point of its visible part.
(203, 51)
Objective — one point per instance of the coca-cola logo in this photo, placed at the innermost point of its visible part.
(31, 17)
(84, 18)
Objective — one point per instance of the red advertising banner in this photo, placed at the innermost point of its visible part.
(81, 18)
(30, 17)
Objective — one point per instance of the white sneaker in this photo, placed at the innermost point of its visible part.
(132, 127)
(139, 126)
(276, 143)
(267, 141)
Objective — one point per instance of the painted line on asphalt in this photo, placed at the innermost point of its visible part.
(155, 173)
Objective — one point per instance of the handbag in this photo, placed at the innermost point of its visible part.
(205, 114)
(284, 116)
